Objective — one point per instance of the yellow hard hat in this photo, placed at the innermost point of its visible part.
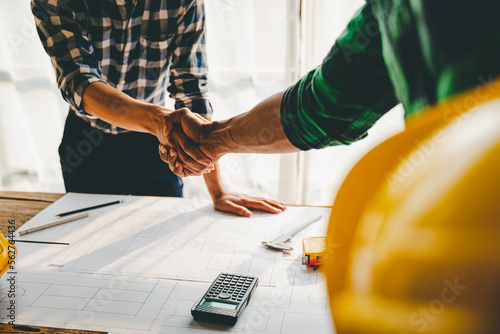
(8, 253)
(413, 243)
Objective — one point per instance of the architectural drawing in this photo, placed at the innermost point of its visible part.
(139, 267)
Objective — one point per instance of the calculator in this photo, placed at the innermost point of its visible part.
(226, 299)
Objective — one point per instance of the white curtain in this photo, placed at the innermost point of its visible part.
(246, 45)
(257, 48)
(31, 108)
(324, 170)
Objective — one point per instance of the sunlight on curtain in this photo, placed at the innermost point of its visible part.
(31, 108)
(324, 170)
(247, 55)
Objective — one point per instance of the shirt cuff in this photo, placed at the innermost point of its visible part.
(304, 122)
(288, 116)
(78, 86)
(299, 128)
(200, 106)
(74, 90)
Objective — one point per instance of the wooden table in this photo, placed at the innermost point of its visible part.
(21, 329)
(21, 207)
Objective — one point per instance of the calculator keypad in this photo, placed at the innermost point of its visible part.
(230, 287)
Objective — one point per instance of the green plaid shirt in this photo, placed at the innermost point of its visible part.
(415, 52)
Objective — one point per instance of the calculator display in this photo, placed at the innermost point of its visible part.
(221, 305)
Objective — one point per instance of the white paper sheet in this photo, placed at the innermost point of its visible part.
(138, 267)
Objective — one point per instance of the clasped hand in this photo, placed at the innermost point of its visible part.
(188, 147)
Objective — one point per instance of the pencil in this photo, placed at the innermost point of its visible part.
(42, 242)
(59, 222)
(89, 208)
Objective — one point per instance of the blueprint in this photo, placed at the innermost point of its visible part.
(139, 266)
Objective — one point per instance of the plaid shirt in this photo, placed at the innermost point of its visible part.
(140, 47)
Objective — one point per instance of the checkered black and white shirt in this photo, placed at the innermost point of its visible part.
(140, 47)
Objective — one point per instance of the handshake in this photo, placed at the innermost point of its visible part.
(190, 143)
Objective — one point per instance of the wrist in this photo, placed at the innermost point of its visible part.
(223, 138)
(214, 183)
(155, 120)
(215, 191)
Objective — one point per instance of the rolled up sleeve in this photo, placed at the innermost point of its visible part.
(337, 102)
(70, 51)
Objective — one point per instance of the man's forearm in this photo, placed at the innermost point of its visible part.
(256, 131)
(117, 108)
